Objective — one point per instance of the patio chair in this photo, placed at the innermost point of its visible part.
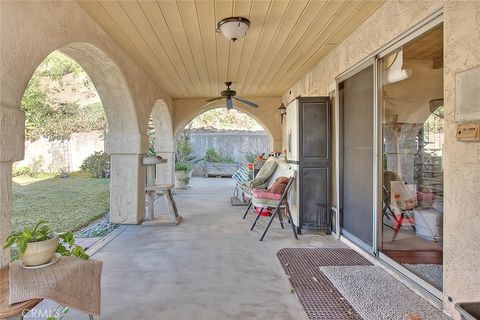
(265, 201)
(241, 176)
(405, 211)
(261, 181)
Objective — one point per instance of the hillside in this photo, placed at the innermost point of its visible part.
(60, 99)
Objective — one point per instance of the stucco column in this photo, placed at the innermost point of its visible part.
(166, 171)
(127, 177)
(12, 143)
(165, 148)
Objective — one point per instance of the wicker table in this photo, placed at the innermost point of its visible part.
(15, 310)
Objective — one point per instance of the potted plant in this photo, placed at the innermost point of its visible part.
(183, 173)
(218, 165)
(38, 245)
(184, 160)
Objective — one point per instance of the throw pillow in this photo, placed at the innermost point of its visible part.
(279, 186)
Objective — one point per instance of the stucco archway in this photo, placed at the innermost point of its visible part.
(110, 84)
(240, 109)
(266, 115)
(124, 140)
(122, 121)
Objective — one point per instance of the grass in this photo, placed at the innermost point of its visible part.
(67, 203)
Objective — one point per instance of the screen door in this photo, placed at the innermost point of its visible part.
(357, 106)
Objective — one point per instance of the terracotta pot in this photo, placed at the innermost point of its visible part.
(38, 253)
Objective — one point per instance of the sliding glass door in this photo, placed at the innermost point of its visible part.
(412, 176)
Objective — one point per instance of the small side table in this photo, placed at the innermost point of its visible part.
(17, 310)
(166, 190)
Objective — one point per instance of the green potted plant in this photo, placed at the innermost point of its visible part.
(35, 246)
(184, 160)
(38, 245)
(183, 173)
(218, 165)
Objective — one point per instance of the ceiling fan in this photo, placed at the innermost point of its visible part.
(228, 94)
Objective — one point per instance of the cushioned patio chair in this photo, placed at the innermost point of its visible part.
(261, 180)
(268, 200)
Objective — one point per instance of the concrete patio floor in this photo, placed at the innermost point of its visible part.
(209, 267)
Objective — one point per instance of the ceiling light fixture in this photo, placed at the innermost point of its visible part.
(233, 28)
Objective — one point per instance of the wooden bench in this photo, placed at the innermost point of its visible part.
(17, 310)
(166, 190)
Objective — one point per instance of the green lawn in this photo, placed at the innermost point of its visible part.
(68, 204)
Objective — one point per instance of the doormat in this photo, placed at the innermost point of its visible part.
(318, 296)
(377, 295)
(432, 273)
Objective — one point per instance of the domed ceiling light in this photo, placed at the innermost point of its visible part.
(233, 28)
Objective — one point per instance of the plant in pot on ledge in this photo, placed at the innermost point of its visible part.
(37, 246)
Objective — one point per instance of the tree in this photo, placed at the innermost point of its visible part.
(223, 119)
(47, 114)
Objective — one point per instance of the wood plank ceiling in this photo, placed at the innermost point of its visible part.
(176, 44)
(428, 46)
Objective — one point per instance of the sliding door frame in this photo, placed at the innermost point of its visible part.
(424, 27)
(374, 59)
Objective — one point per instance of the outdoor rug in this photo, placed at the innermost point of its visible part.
(318, 296)
(377, 295)
(432, 273)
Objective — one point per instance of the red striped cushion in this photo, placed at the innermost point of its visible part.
(264, 194)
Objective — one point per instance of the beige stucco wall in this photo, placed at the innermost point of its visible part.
(461, 254)
(267, 115)
(462, 160)
(31, 30)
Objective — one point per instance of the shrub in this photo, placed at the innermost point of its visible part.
(183, 166)
(36, 166)
(98, 164)
(228, 159)
(213, 156)
(20, 171)
(33, 169)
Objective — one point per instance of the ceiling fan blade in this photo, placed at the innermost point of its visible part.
(247, 102)
(208, 104)
(229, 103)
(214, 99)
